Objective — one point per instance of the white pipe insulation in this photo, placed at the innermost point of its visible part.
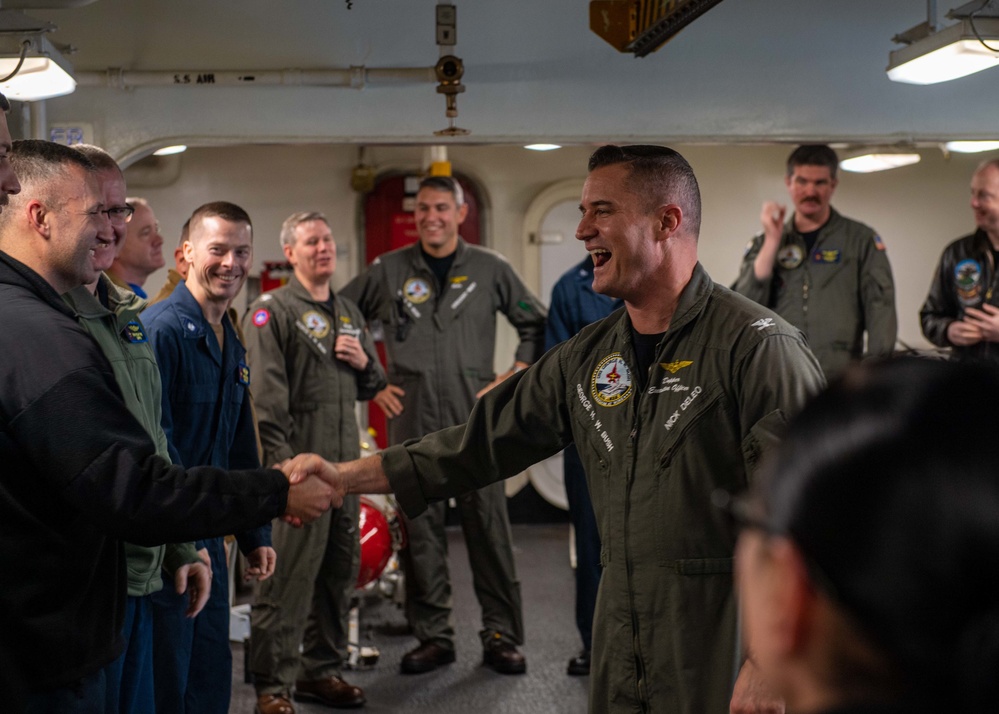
(355, 77)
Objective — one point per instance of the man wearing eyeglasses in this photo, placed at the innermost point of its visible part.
(111, 315)
(667, 400)
(140, 254)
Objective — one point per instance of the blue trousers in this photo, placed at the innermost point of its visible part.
(191, 658)
(130, 677)
(588, 568)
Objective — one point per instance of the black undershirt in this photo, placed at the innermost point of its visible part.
(439, 267)
(810, 239)
(645, 354)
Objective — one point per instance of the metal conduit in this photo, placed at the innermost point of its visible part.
(355, 77)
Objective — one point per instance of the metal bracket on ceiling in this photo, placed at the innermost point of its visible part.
(449, 68)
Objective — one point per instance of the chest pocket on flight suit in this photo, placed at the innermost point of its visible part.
(682, 487)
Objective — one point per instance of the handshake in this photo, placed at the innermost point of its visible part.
(315, 486)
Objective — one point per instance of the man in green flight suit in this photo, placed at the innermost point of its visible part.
(313, 359)
(110, 315)
(824, 273)
(676, 396)
(437, 301)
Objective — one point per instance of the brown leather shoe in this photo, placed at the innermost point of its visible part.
(332, 691)
(273, 704)
(428, 656)
(503, 656)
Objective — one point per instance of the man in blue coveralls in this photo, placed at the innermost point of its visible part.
(574, 306)
(207, 420)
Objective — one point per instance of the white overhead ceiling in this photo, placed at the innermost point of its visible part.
(748, 70)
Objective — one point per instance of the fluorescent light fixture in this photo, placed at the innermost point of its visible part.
(869, 163)
(953, 52)
(167, 150)
(971, 147)
(543, 147)
(45, 72)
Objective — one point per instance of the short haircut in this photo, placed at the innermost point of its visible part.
(37, 163)
(101, 159)
(813, 155)
(134, 201)
(657, 174)
(36, 160)
(4, 103)
(185, 232)
(287, 235)
(219, 209)
(445, 183)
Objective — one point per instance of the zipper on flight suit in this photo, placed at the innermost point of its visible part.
(640, 676)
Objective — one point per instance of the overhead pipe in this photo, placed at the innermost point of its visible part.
(354, 77)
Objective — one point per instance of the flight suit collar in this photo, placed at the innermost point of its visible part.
(418, 263)
(194, 325)
(693, 299)
(692, 302)
(834, 220)
(296, 288)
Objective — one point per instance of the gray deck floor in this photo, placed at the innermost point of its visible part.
(466, 687)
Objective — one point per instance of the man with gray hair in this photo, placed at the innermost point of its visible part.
(962, 308)
(314, 359)
(141, 253)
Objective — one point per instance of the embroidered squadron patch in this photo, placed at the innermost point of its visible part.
(611, 381)
(261, 317)
(243, 374)
(968, 281)
(827, 256)
(790, 257)
(318, 325)
(417, 290)
(133, 332)
(674, 367)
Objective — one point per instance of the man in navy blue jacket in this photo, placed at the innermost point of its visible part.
(574, 306)
(207, 421)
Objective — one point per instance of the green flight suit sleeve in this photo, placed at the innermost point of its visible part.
(265, 350)
(776, 378)
(525, 312)
(521, 421)
(747, 284)
(877, 297)
(178, 554)
(367, 293)
(371, 379)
